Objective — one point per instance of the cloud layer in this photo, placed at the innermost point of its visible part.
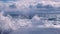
(29, 14)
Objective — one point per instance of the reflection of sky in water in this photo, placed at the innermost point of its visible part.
(29, 17)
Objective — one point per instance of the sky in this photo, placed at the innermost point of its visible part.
(17, 0)
(29, 16)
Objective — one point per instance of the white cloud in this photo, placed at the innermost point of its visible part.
(25, 9)
(7, 22)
